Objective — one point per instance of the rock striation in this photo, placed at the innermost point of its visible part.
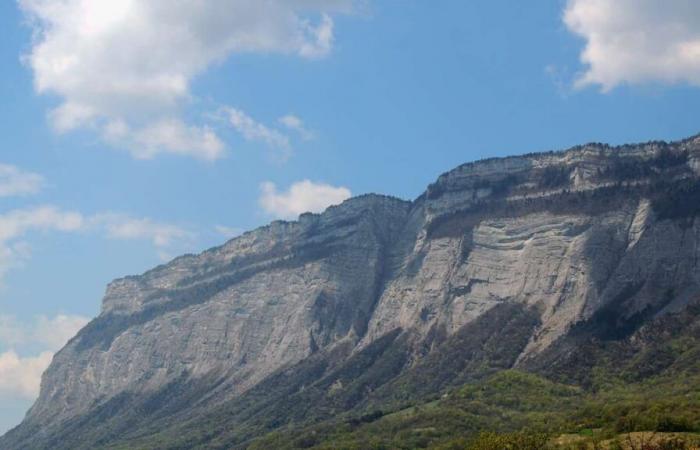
(595, 238)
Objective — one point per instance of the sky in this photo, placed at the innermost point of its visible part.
(135, 131)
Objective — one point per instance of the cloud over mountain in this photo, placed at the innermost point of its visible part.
(302, 196)
(124, 68)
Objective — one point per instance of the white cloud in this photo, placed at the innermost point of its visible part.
(56, 331)
(164, 237)
(19, 221)
(14, 182)
(637, 41)
(165, 136)
(131, 62)
(251, 130)
(21, 377)
(15, 224)
(50, 333)
(11, 332)
(321, 39)
(294, 123)
(302, 196)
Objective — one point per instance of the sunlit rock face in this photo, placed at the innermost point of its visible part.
(262, 301)
(593, 235)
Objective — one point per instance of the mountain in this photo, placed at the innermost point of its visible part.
(562, 271)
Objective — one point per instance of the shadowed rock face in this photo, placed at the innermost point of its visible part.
(595, 238)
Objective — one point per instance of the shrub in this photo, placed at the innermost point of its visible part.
(511, 441)
(669, 424)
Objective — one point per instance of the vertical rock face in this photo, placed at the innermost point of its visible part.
(594, 234)
(262, 301)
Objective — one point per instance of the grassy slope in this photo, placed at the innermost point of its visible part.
(510, 401)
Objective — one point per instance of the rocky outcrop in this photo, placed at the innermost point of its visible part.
(262, 301)
(596, 235)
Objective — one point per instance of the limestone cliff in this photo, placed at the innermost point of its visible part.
(596, 235)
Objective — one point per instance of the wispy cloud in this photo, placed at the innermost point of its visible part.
(164, 237)
(16, 224)
(16, 182)
(302, 196)
(294, 123)
(252, 130)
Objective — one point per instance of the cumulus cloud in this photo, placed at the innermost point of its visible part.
(302, 196)
(15, 182)
(55, 332)
(294, 123)
(636, 41)
(20, 376)
(50, 333)
(126, 66)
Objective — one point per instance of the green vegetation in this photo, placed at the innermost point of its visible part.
(601, 397)
(528, 411)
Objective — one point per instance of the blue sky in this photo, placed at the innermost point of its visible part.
(159, 131)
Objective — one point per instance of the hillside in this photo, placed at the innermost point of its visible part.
(572, 274)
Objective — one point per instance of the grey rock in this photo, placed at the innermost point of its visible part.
(565, 233)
